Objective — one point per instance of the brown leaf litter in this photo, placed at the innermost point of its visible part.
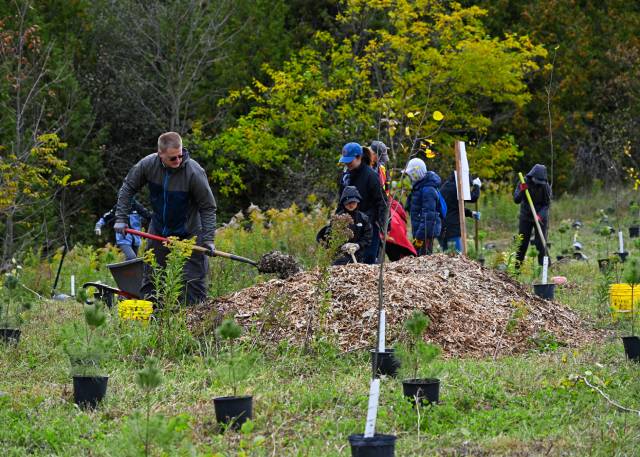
(474, 311)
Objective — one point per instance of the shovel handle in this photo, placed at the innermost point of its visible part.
(204, 250)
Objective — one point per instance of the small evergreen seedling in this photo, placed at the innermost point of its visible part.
(11, 310)
(632, 277)
(87, 351)
(417, 350)
(230, 331)
(148, 379)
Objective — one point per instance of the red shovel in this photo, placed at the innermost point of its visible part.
(206, 251)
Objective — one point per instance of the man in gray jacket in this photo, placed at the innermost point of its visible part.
(183, 206)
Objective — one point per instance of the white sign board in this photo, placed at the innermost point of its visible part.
(464, 169)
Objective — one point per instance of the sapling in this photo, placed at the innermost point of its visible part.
(632, 277)
(86, 351)
(417, 351)
(230, 331)
(11, 310)
(563, 229)
(148, 379)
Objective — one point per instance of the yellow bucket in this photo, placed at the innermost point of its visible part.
(137, 310)
(620, 299)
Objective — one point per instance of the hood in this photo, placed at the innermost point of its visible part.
(430, 179)
(538, 174)
(350, 193)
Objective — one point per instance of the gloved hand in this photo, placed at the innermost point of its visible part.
(523, 186)
(210, 246)
(120, 227)
(350, 248)
(418, 243)
(477, 182)
(98, 231)
(476, 215)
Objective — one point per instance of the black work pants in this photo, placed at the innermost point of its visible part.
(524, 230)
(195, 275)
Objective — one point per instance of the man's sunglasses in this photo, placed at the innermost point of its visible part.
(174, 158)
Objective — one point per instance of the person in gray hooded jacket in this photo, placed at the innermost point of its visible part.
(183, 206)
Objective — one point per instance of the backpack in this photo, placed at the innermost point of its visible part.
(441, 205)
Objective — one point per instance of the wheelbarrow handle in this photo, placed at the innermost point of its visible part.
(204, 250)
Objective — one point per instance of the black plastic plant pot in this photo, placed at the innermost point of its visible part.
(632, 347)
(634, 231)
(559, 257)
(603, 264)
(426, 390)
(388, 364)
(545, 291)
(10, 335)
(623, 255)
(378, 445)
(88, 391)
(233, 410)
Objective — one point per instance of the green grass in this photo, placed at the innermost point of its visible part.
(307, 405)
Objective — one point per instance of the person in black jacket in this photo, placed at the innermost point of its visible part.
(450, 233)
(540, 191)
(360, 226)
(373, 201)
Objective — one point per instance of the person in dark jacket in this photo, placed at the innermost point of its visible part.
(540, 191)
(424, 206)
(127, 242)
(183, 206)
(451, 233)
(373, 201)
(356, 246)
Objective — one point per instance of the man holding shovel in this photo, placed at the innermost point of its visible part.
(183, 206)
(540, 191)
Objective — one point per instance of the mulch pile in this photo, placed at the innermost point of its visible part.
(475, 311)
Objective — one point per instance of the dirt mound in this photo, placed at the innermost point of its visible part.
(474, 311)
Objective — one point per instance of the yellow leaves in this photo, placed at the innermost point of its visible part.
(438, 116)
(430, 154)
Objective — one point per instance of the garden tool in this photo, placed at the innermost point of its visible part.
(60, 296)
(204, 250)
(283, 265)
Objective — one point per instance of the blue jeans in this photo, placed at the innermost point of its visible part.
(371, 252)
(130, 252)
(444, 243)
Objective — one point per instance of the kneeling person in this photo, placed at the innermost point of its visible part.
(356, 246)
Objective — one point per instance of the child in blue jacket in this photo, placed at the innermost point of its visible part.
(127, 243)
(424, 206)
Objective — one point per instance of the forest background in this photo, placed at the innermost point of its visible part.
(265, 92)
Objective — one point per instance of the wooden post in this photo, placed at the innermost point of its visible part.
(463, 225)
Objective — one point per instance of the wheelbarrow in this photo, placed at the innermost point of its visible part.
(128, 277)
(128, 274)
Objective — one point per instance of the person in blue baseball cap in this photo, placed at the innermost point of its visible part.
(373, 201)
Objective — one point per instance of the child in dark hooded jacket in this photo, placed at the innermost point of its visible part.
(360, 226)
(540, 191)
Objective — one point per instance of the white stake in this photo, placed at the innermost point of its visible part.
(381, 345)
(620, 242)
(545, 269)
(372, 410)
(73, 285)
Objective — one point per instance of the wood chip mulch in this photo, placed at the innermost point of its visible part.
(474, 311)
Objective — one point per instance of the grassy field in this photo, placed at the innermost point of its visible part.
(548, 402)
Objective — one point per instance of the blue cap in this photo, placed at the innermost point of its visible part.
(350, 151)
